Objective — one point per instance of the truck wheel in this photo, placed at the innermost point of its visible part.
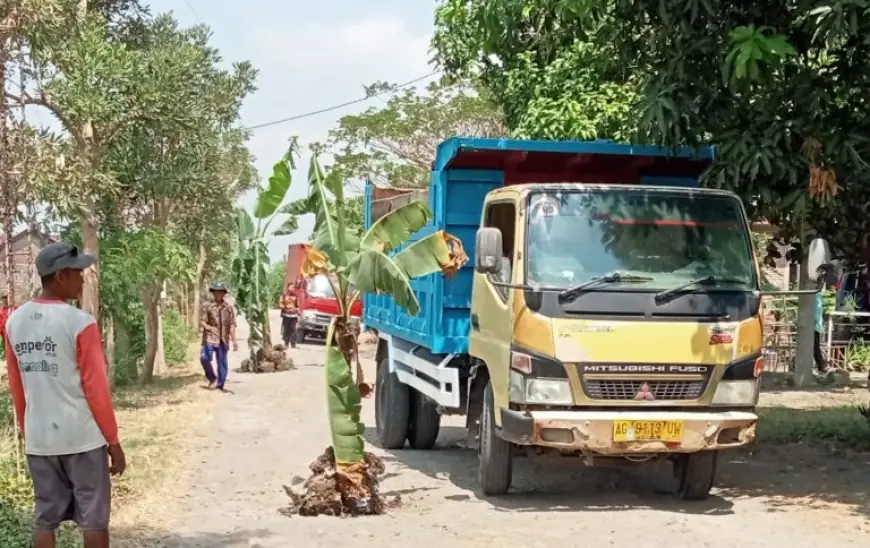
(300, 336)
(495, 455)
(392, 408)
(694, 474)
(425, 421)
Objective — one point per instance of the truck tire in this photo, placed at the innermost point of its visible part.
(300, 336)
(424, 423)
(694, 474)
(495, 455)
(392, 408)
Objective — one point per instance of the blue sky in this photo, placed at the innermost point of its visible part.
(311, 55)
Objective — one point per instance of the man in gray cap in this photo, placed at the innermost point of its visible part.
(60, 388)
(218, 326)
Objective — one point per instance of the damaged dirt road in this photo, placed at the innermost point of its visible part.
(229, 489)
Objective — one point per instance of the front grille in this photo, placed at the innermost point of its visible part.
(322, 319)
(628, 389)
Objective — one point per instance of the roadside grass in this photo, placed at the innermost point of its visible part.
(157, 422)
(841, 426)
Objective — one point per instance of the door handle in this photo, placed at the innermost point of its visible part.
(475, 322)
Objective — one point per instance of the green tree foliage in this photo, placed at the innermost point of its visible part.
(394, 144)
(148, 147)
(275, 275)
(779, 89)
(542, 65)
(168, 167)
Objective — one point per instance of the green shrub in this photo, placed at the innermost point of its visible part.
(176, 337)
(6, 419)
(16, 490)
(16, 510)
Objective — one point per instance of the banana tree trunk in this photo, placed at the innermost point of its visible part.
(344, 404)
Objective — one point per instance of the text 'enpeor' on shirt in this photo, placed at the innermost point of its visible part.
(58, 379)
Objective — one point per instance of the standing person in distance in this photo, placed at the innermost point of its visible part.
(289, 316)
(218, 326)
(60, 388)
(5, 311)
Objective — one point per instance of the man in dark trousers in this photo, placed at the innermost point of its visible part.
(60, 388)
(289, 316)
(218, 326)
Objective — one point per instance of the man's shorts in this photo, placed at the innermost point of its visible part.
(72, 488)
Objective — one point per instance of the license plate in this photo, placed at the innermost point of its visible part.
(647, 431)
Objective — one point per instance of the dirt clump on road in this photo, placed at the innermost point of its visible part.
(328, 492)
(269, 361)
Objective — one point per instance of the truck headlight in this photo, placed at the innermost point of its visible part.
(550, 391)
(540, 391)
(308, 315)
(733, 393)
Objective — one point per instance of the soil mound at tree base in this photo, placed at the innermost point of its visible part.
(270, 361)
(329, 492)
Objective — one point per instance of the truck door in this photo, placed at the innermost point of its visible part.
(491, 331)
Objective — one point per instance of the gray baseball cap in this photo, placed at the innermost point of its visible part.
(61, 256)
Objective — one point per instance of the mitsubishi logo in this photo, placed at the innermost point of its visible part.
(644, 393)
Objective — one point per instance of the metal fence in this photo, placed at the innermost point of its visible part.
(845, 342)
(780, 331)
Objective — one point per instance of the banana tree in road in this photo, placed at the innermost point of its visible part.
(364, 264)
(251, 263)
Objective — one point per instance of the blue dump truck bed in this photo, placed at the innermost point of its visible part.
(464, 171)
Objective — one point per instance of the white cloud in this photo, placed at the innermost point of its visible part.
(307, 66)
(377, 41)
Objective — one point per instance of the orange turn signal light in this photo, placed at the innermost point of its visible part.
(758, 368)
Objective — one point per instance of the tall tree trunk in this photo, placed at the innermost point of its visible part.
(90, 299)
(197, 283)
(7, 184)
(155, 360)
(111, 354)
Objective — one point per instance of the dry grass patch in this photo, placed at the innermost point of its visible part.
(158, 424)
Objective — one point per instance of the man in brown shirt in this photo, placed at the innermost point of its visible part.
(218, 326)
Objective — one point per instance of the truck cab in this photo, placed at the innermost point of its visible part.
(610, 312)
(315, 298)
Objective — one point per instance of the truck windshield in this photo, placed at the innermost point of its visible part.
(670, 237)
(318, 286)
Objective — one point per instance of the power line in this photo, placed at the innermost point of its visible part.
(392, 89)
(193, 11)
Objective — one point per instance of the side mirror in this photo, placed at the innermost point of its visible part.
(488, 250)
(819, 255)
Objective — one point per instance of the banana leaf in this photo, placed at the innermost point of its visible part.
(372, 271)
(394, 229)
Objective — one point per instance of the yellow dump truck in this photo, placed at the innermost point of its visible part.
(609, 311)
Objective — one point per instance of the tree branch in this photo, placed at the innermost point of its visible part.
(42, 101)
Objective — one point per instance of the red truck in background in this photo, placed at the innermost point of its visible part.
(317, 302)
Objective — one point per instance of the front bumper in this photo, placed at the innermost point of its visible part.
(592, 431)
(319, 323)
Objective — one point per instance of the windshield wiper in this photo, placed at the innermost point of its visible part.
(706, 280)
(614, 277)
